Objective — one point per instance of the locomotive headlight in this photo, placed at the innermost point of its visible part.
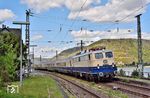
(113, 65)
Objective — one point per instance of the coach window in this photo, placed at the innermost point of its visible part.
(98, 55)
(109, 54)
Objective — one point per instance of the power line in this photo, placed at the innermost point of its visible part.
(106, 28)
(75, 18)
(129, 14)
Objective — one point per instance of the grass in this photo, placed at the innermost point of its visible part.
(36, 87)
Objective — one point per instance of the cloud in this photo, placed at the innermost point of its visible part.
(112, 11)
(6, 14)
(43, 5)
(92, 10)
(36, 37)
(47, 51)
(112, 34)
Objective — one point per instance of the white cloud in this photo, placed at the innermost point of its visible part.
(47, 51)
(112, 34)
(36, 37)
(92, 10)
(6, 14)
(112, 11)
(42, 5)
(75, 5)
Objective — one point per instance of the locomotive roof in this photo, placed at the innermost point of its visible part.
(98, 51)
(86, 53)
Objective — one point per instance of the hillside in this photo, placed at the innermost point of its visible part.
(125, 50)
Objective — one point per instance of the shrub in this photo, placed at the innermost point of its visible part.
(135, 74)
(9, 55)
(122, 72)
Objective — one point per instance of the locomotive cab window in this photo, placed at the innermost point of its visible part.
(109, 54)
(98, 55)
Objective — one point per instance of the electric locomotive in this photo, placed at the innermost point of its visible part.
(97, 64)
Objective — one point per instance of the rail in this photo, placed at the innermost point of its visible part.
(88, 90)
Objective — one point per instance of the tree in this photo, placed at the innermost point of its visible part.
(9, 56)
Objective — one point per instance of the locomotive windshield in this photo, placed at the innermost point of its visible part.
(98, 55)
(109, 54)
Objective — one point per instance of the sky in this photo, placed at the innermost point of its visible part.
(61, 24)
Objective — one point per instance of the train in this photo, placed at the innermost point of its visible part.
(93, 65)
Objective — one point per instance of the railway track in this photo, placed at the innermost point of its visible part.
(131, 89)
(139, 91)
(76, 89)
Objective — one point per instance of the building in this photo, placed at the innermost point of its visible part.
(6, 29)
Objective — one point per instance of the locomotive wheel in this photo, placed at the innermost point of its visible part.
(86, 77)
(96, 79)
(76, 75)
(91, 78)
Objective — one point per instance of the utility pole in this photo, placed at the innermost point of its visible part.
(27, 37)
(140, 60)
(56, 54)
(56, 58)
(40, 61)
(81, 45)
(33, 46)
(21, 42)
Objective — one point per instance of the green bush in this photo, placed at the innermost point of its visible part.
(122, 72)
(135, 74)
(9, 56)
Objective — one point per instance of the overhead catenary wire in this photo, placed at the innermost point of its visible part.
(115, 20)
(127, 16)
(75, 19)
(62, 25)
(123, 17)
(109, 26)
(130, 14)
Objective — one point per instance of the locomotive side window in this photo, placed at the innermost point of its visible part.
(98, 55)
(84, 58)
(109, 54)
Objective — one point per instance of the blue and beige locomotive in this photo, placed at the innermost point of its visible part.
(92, 64)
